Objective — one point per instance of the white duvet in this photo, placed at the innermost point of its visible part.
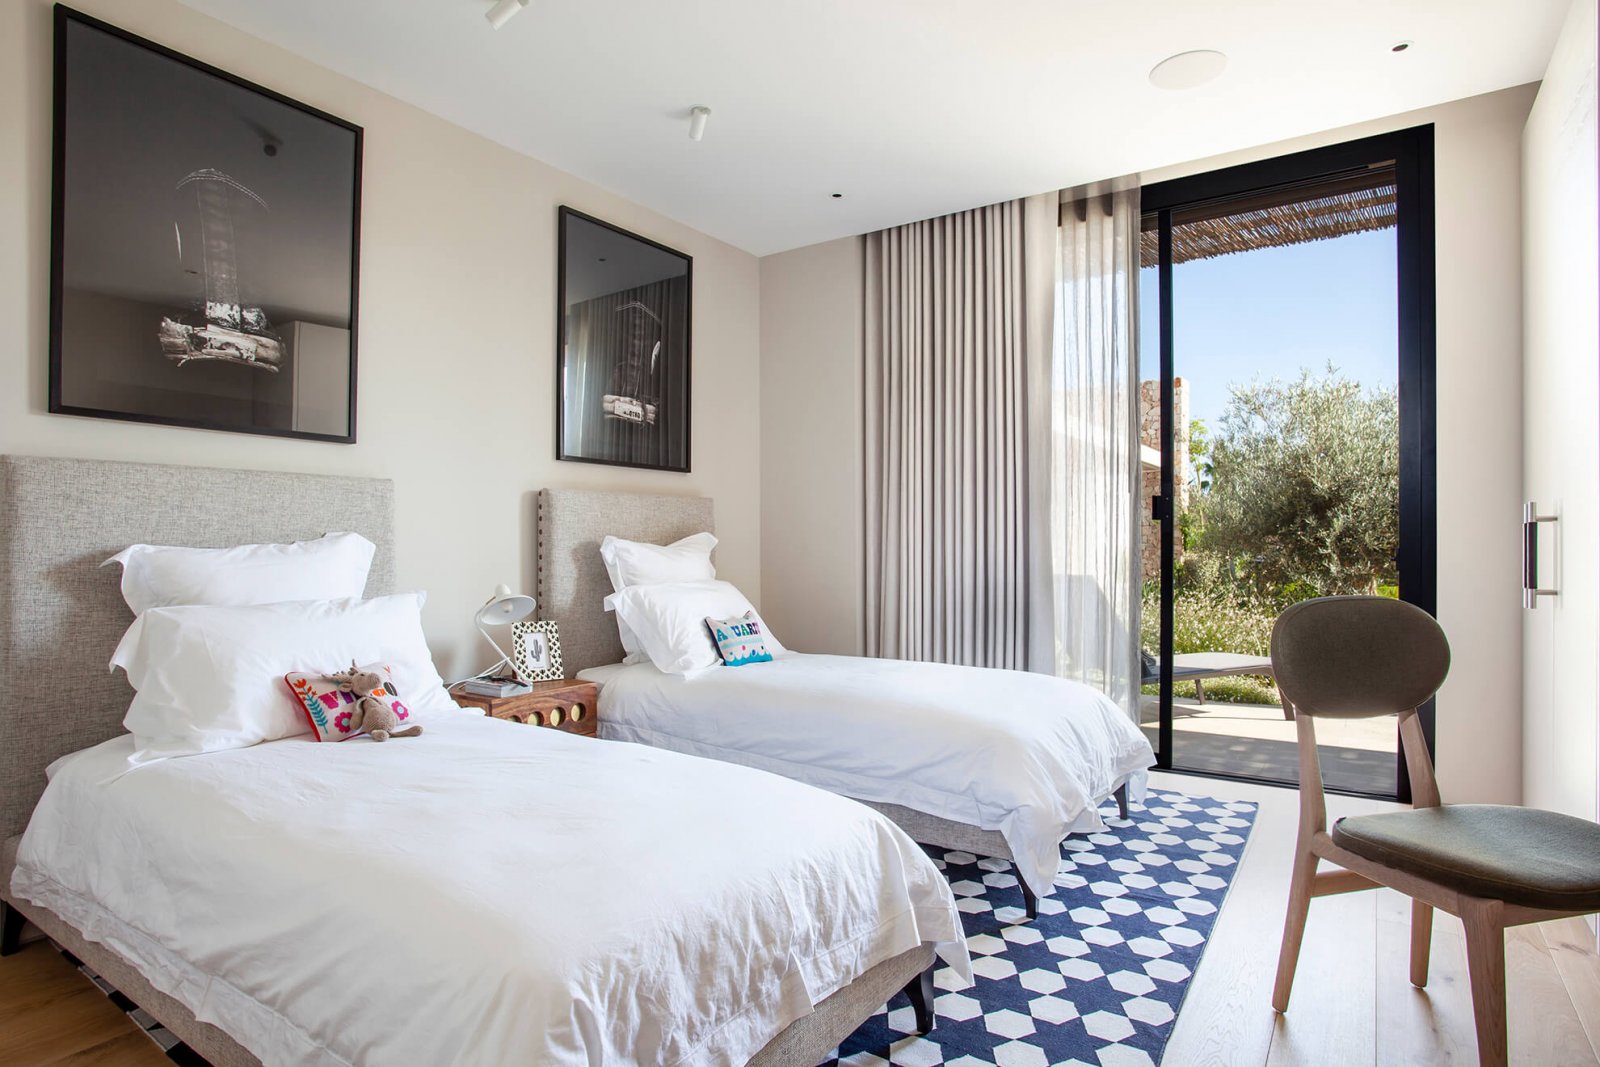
(1028, 755)
(487, 893)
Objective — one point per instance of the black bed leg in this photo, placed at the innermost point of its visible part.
(920, 990)
(11, 935)
(1122, 799)
(1030, 902)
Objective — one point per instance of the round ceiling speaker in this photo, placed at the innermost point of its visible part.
(1187, 70)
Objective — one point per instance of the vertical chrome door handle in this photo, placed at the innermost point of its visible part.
(1530, 555)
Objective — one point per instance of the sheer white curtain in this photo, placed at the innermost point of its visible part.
(1086, 600)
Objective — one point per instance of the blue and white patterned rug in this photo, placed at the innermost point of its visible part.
(1099, 977)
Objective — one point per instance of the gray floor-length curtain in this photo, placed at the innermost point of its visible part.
(1093, 582)
(1002, 447)
(956, 309)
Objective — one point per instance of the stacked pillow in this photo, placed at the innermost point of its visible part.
(670, 607)
(631, 563)
(217, 630)
(334, 566)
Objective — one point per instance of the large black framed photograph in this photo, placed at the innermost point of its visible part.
(623, 345)
(204, 244)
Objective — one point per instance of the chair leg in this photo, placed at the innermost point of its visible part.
(1421, 942)
(1486, 964)
(1294, 925)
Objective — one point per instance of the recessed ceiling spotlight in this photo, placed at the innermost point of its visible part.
(1187, 70)
(697, 122)
(1401, 46)
(503, 10)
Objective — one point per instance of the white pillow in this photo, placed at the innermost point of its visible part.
(332, 567)
(641, 563)
(211, 677)
(670, 621)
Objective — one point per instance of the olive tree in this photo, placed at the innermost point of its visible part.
(1305, 485)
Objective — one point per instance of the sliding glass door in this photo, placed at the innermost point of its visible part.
(1287, 424)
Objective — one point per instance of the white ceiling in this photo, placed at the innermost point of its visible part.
(911, 108)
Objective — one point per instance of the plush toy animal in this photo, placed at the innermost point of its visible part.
(369, 712)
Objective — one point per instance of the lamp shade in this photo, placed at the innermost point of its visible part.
(505, 607)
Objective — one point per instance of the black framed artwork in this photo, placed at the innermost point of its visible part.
(204, 244)
(623, 347)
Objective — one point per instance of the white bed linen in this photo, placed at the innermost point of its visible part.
(1025, 754)
(488, 893)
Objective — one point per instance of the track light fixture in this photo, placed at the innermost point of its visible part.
(503, 10)
(697, 122)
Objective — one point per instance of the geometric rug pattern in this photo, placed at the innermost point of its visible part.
(1098, 978)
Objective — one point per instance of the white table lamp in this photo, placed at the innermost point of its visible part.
(503, 609)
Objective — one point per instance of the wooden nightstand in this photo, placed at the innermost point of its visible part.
(566, 704)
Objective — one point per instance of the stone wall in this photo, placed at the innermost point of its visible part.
(1150, 476)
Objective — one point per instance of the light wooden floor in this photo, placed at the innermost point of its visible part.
(52, 1014)
(1352, 1002)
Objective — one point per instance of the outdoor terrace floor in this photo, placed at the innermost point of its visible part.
(1256, 741)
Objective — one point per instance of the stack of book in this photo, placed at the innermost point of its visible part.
(494, 687)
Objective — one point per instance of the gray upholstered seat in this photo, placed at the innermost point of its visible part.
(1538, 859)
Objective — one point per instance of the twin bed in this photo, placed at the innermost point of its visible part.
(489, 893)
(485, 893)
(997, 763)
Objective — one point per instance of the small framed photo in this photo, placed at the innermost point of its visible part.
(536, 650)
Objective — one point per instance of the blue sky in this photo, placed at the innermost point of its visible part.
(1272, 312)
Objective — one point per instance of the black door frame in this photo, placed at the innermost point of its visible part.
(1411, 151)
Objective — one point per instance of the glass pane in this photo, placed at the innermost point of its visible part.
(1286, 445)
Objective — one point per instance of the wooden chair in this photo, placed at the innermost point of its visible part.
(1493, 866)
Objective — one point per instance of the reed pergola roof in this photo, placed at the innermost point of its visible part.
(1326, 209)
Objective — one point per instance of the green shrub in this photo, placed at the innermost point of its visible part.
(1213, 614)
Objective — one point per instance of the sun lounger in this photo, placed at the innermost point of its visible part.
(1197, 666)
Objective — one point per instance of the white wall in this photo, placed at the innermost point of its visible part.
(1561, 376)
(458, 280)
(812, 547)
(1478, 247)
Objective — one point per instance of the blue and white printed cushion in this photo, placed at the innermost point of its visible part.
(739, 640)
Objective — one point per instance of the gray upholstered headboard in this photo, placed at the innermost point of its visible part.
(572, 583)
(61, 614)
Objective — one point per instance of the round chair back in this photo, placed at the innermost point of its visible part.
(1358, 656)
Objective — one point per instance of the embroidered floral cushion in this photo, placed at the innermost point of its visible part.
(739, 640)
(330, 711)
